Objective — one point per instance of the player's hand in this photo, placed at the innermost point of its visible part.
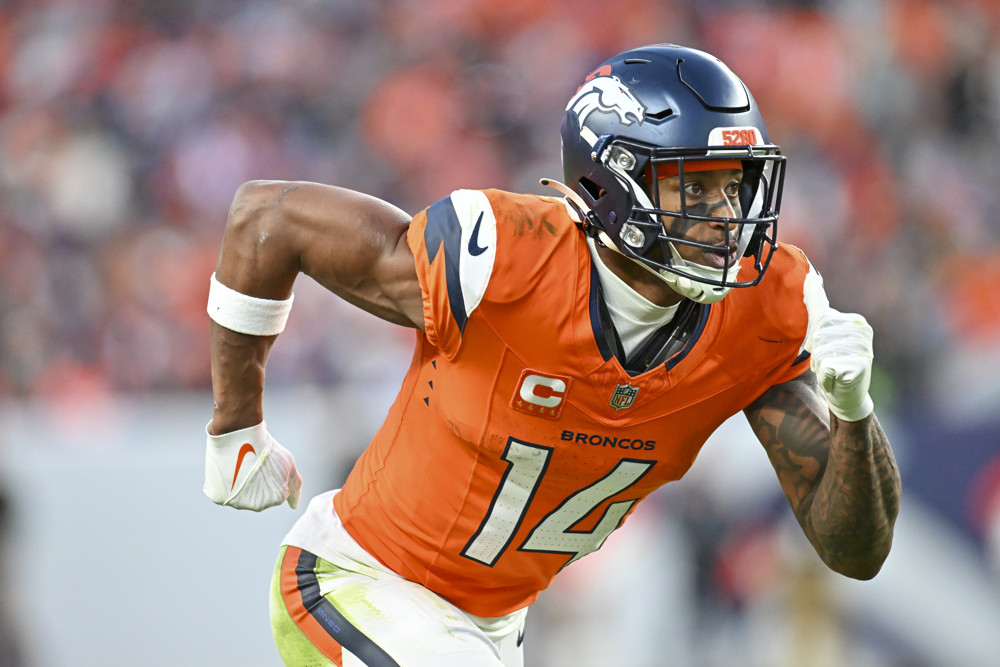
(841, 349)
(249, 470)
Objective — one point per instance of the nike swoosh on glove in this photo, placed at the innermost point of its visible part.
(249, 470)
(841, 349)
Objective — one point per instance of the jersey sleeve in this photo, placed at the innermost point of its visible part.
(454, 244)
(475, 249)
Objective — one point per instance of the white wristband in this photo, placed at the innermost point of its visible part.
(247, 314)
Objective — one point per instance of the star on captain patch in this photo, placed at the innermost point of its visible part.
(623, 397)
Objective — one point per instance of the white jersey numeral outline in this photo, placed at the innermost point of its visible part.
(526, 467)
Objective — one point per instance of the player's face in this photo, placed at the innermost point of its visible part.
(706, 193)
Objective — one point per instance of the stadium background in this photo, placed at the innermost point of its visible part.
(125, 127)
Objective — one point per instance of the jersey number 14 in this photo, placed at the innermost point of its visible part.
(526, 466)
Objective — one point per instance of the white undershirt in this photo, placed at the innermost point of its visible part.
(635, 317)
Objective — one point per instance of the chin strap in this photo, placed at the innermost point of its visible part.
(697, 290)
(693, 289)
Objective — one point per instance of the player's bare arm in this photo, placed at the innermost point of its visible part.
(840, 477)
(351, 243)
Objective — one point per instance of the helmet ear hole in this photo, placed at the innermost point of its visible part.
(593, 189)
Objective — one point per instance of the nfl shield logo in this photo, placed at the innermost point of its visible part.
(624, 396)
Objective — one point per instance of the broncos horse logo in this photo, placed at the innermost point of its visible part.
(608, 95)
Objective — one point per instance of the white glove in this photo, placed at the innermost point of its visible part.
(249, 470)
(841, 349)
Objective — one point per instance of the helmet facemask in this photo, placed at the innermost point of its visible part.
(646, 237)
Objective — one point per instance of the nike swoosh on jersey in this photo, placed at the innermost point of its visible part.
(474, 247)
(247, 448)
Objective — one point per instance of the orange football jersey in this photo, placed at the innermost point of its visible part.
(518, 442)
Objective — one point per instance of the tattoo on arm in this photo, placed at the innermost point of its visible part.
(840, 477)
(794, 434)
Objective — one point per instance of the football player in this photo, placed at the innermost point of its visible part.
(573, 353)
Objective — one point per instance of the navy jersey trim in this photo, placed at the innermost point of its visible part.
(332, 621)
(703, 311)
(597, 322)
(443, 227)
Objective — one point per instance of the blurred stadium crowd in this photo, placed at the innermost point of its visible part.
(126, 126)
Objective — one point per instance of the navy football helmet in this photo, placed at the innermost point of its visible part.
(668, 110)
